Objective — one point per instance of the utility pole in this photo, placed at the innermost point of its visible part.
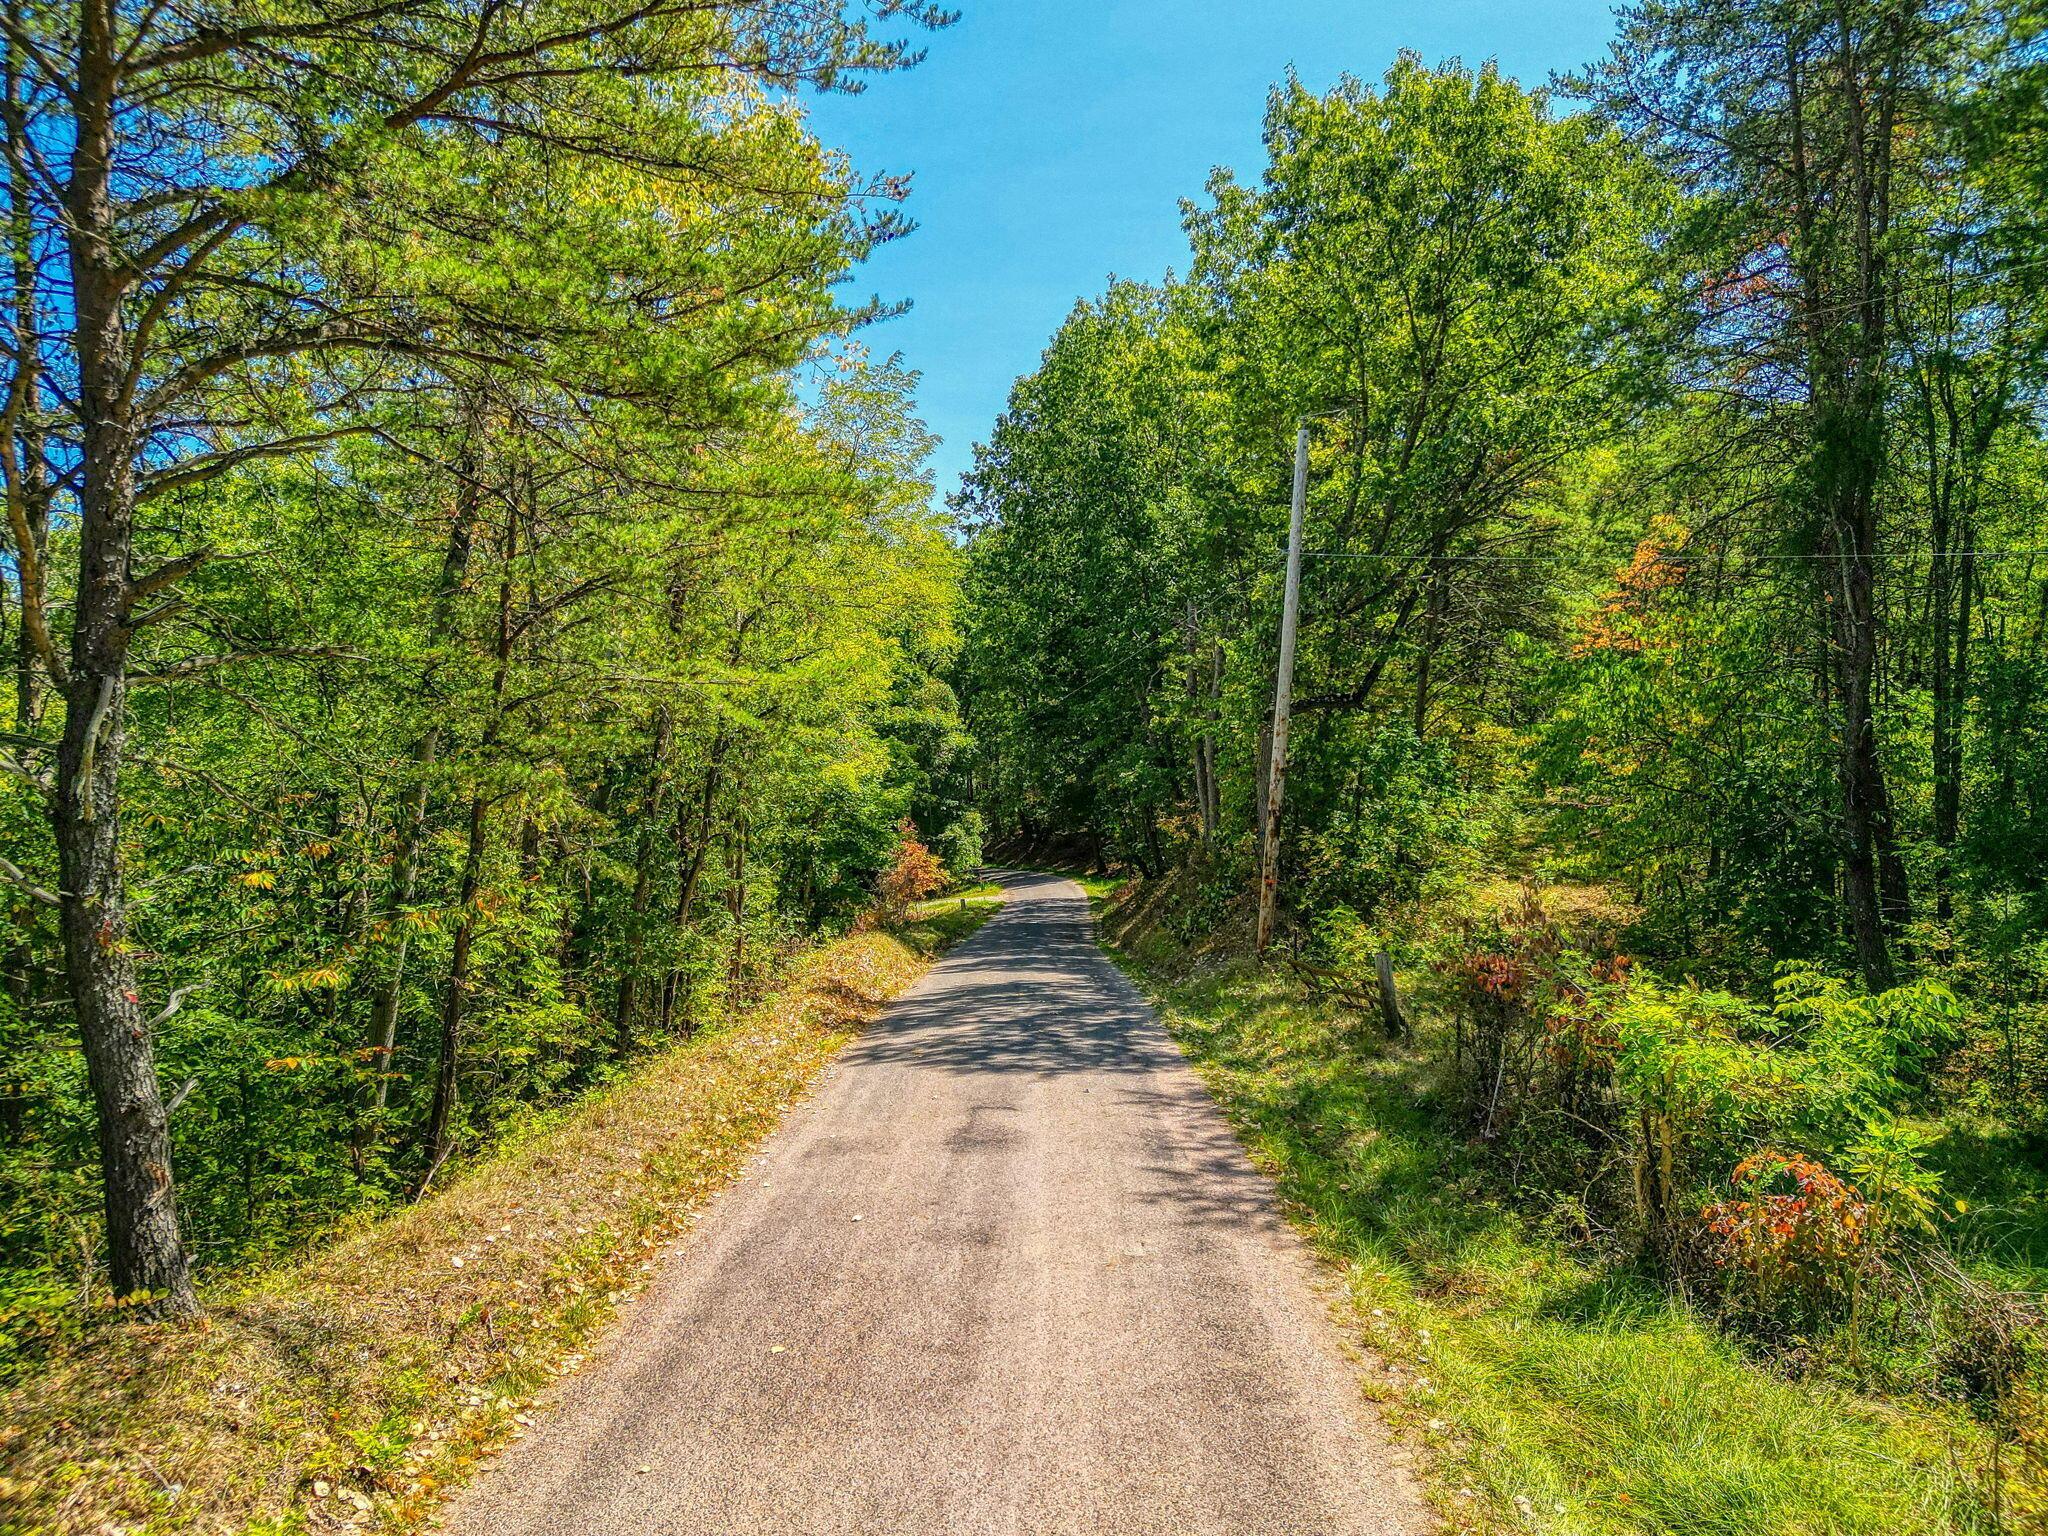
(1283, 687)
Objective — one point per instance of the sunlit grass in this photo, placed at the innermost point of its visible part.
(957, 913)
(976, 890)
(2001, 1234)
(1558, 1394)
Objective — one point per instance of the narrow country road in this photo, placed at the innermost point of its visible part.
(1006, 1272)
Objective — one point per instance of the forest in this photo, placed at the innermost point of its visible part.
(478, 617)
(1669, 718)
(472, 606)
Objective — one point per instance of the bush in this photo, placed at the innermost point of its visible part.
(1684, 1090)
(1529, 1020)
(913, 874)
(1710, 1078)
(1793, 1229)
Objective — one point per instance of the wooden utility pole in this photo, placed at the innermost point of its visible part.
(1283, 685)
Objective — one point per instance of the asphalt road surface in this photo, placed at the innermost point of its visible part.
(1006, 1273)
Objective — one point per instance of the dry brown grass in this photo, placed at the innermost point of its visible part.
(349, 1389)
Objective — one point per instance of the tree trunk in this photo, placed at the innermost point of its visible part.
(643, 881)
(1198, 757)
(1845, 301)
(1202, 682)
(440, 1132)
(1873, 873)
(1949, 603)
(736, 899)
(690, 863)
(412, 821)
(1261, 771)
(440, 1138)
(145, 1253)
(412, 818)
(29, 481)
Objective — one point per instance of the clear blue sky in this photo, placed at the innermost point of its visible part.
(1051, 141)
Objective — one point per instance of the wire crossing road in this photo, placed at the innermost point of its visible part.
(1006, 1272)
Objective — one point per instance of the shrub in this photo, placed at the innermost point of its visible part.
(1793, 1230)
(1529, 1014)
(1709, 1077)
(913, 874)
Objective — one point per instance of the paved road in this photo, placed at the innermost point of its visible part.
(1023, 1283)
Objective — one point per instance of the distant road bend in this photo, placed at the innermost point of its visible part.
(1007, 1273)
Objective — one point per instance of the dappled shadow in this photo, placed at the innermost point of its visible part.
(1028, 993)
(2001, 1174)
(1354, 1141)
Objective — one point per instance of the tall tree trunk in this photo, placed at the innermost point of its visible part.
(145, 1252)
(1204, 663)
(28, 479)
(1949, 622)
(1874, 877)
(398, 900)
(643, 880)
(1262, 772)
(440, 1138)
(691, 852)
(1198, 759)
(1212, 788)
(736, 898)
(412, 816)
(1845, 299)
(440, 1130)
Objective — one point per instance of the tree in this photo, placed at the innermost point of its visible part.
(913, 874)
(276, 227)
(1462, 290)
(1789, 120)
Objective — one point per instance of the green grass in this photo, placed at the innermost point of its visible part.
(2002, 1235)
(945, 920)
(1556, 1394)
(975, 890)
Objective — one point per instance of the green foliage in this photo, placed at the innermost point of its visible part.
(1826, 1063)
(271, 805)
(959, 847)
(1125, 517)
(545, 661)
(1672, 638)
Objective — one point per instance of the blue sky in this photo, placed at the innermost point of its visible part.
(1051, 141)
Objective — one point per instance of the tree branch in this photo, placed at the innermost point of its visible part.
(11, 873)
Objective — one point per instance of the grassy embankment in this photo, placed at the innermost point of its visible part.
(352, 1387)
(1559, 1390)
